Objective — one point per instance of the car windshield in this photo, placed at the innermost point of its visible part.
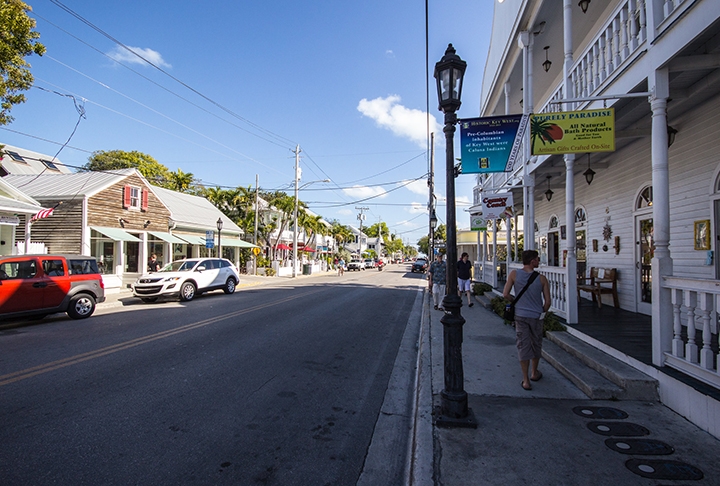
(179, 266)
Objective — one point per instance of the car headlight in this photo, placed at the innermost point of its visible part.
(171, 279)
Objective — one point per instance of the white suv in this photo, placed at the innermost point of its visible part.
(186, 278)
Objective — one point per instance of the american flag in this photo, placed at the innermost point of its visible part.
(45, 213)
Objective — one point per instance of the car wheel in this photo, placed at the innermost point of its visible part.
(81, 306)
(229, 286)
(187, 292)
(149, 299)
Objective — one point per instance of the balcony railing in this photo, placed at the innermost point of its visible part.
(695, 328)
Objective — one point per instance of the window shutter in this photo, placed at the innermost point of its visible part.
(126, 197)
(144, 203)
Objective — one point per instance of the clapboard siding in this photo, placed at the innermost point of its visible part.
(61, 232)
(106, 209)
(693, 160)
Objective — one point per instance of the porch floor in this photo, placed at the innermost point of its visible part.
(623, 330)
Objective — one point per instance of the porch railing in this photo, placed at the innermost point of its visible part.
(617, 40)
(557, 278)
(695, 328)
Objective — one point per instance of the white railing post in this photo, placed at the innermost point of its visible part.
(678, 347)
(706, 306)
(691, 349)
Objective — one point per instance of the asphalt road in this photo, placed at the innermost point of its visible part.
(278, 384)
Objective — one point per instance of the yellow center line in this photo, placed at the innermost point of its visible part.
(79, 358)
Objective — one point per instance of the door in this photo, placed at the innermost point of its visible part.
(553, 249)
(644, 251)
(716, 246)
(21, 287)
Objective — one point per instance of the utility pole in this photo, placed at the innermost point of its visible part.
(361, 218)
(295, 212)
(257, 211)
(431, 201)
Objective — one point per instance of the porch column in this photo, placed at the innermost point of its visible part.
(662, 264)
(525, 41)
(494, 255)
(529, 216)
(517, 257)
(571, 261)
(27, 233)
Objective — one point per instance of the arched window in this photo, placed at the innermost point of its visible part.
(580, 217)
(554, 223)
(645, 199)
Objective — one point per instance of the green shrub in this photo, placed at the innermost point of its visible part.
(269, 272)
(552, 323)
(481, 288)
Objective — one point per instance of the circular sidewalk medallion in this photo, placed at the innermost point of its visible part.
(664, 469)
(644, 447)
(607, 413)
(618, 429)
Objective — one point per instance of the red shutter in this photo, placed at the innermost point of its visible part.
(144, 203)
(126, 197)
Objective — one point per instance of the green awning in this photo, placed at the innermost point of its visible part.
(192, 239)
(115, 233)
(236, 243)
(167, 237)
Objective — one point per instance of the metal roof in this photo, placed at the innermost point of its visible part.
(194, 211)
(79, 184)
(19, 161)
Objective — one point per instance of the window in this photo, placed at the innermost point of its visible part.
(16, 157)
(53, 268)
(645, 199)
(83, 267)
(554, 223)
(103, 249)
(49, 165)
(22, 269)
(135, 198)
(580, 216)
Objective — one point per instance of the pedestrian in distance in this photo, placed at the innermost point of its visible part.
(463, 273)
(341, 266)
(436, 281)
(532, 303)
(153, 264)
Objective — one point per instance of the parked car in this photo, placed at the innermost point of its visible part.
(38, 285)
(419, 265)
(187, 278)
(356, 264)
(369, 263)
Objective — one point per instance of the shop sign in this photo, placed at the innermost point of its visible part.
(491, 144)
(572, 132)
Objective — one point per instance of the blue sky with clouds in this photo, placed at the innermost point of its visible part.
(236, 85)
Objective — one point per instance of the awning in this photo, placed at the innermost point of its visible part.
(236, 243)
(167, 237)
(115, 233)
(308, 249)
(192, 239)
(283, 246)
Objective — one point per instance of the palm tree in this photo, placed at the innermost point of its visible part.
(180, 181)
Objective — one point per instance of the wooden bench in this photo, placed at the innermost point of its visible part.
(601, 281)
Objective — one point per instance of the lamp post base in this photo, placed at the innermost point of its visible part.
(448, 421)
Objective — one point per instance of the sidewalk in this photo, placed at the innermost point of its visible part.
(538, 437)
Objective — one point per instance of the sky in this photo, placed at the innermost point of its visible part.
(227, 90)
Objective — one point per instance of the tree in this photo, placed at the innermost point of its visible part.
(378, 229)
(151, 169)
(17, 41)
(180, 181)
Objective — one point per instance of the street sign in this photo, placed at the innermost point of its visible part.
(256, 251)
(209, 239)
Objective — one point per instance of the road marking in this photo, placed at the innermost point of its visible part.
(79, 358)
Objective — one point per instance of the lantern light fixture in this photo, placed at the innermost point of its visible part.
(546, 65)
(584, 4)
(671, 132)
(589, 173)
(548, 193)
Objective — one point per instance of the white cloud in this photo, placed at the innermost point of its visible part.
(419, 186)
(404, 122)
(389, 53)
(416, 207)
(364, 191)
(463, 200)
(121, 54)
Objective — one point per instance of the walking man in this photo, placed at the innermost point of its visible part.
(530, 311)
(436, 277)
(463, 273)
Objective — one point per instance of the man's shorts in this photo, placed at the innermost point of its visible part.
(464, 285)
(528, 337)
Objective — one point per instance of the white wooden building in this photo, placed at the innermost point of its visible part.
(652, 210)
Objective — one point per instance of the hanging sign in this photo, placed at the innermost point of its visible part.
(478, 223)
(491, 144)
(209, 239)
(497, 206)
(571, 132)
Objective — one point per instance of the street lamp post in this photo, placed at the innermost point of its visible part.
(454, 411)
(433, 225)
(219, 224)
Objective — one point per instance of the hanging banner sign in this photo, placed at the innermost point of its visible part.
(497, 206)
(478, 223)
(571, 132)
(491, 144)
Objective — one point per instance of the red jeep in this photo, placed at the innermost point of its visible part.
(38, 285)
